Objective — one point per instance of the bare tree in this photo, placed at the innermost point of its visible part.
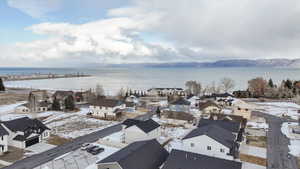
(227, 84)
(121, 93)
(257, 86)
(99, 90)
(193, 87)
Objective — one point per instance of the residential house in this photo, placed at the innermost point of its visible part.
(242, 94)
(232, 126)
(166, 92)
(147, 154)
(180, 104)
(24, 132)
(209, 107)
(242, 108)
(61, 97)
(237, 120)
(3, 140)
(229, 117)
(211, 140)
(137, 130)
(177, 118)
(130, 106)
(179, 159)
(107, 108)
(37, 101)
(194, 100)
(132, 99)
(83, 96)
(40, 106)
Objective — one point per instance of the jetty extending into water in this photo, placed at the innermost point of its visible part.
(38, 76)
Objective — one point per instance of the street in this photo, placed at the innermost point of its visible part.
(38, 159)
(277, 146)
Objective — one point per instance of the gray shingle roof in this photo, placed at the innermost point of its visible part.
(3, 131)
(186, 160)
(217, 133)
(228, 125)
(107, 102)
(207, 104)
(181, 101)
(146, 126)
(22, 124)
(139, 155)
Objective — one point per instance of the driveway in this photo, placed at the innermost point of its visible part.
(277, 148)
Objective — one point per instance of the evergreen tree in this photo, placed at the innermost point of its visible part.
(288, 84)
(2, 88)
(270, 83)
(69, 103)
(55, 105)
(158, 112)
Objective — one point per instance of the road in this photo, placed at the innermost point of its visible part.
(277, 146)
(44, 157)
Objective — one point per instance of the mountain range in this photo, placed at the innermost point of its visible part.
(282, 63)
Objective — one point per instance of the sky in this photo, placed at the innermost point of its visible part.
(71, 33)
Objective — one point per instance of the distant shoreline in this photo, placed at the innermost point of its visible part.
(38, 76)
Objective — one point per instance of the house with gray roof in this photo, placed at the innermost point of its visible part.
(211, 140)
(147, 154)
(106, 108)
(24, 132)
(137, 130)
(231, 126)
(180, 104)
(179, 159)
(3, 140)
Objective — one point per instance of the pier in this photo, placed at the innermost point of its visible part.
(38, 76)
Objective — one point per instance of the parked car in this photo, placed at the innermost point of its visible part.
(84, 146)
(89, 149)
(96, 150)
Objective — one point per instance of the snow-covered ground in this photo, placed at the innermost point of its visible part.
(5, 109)
(253, 151)
(281, 109)
(294, 143)
(72, 125)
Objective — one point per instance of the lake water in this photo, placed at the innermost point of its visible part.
(112, 79)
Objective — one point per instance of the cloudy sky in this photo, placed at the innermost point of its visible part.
(59, 33)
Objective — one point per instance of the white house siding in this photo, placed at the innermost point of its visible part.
(199, 145)
(22, 109)
(211, 109)
(180, 108)
(18, 144)
(109, 166)
(45, 135)
(133, 134)
(4, 143)
(104, 111)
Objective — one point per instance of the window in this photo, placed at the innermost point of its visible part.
(208, 147)
(222, 150)
(192, 144)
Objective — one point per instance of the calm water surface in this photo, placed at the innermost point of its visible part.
(143, 78)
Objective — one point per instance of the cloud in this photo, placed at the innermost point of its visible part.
(35, 8)
(194, 30)
(250, 28)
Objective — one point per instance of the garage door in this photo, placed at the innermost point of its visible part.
(31, 141)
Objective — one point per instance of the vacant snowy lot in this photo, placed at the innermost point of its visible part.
(280, 109)
(295, 143)
(74, 124)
